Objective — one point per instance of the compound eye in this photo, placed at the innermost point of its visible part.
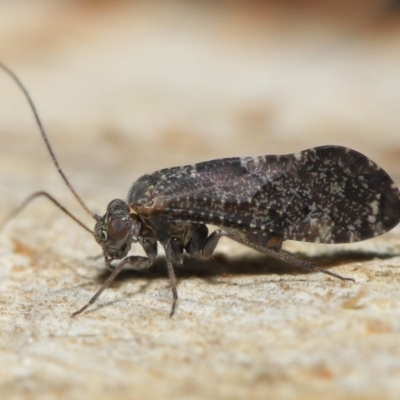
(117, 228)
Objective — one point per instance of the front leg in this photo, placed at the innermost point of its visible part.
(138, 263)
(150, 248)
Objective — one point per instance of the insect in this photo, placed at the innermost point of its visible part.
(328, 194)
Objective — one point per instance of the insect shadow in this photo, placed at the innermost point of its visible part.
(219, 269)
(254, 264)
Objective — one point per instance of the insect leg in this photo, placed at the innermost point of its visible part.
(271, 248)
(150, 249)
(274, 243)
(174, 255)
(196, 243)
(208, 244)
(133, 260)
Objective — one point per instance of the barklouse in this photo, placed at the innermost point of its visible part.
(328, 194)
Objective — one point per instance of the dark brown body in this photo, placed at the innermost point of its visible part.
(328, 194)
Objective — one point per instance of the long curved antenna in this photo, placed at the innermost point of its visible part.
(46, 140)
(33, 196)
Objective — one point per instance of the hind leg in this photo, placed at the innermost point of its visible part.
(202, 245)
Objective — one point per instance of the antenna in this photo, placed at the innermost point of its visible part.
(53, 157)
(33, 196)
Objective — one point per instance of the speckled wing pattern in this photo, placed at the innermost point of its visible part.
(328, 194)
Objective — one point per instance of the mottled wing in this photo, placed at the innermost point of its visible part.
(327, 194)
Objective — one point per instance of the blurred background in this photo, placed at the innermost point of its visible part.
(128, 87)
